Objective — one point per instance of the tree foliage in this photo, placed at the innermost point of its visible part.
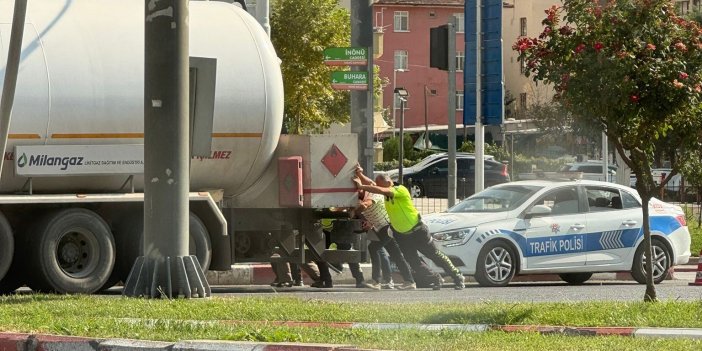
(300, 33)
(633, 69)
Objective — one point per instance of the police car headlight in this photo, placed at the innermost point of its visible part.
(454, 237)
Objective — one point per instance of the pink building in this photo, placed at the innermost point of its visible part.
(405, 26)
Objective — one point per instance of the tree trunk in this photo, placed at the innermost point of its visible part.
(650, 295)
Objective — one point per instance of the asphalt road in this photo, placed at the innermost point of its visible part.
(516, 292)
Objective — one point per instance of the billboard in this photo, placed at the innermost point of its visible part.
(492, 83)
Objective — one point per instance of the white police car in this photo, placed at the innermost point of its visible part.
(573, 228)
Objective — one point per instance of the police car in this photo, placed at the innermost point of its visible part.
(573, 228)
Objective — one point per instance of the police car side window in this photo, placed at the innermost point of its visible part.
(629, 201)
(562, 201)
(603, 199)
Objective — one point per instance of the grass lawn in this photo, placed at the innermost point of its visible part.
(100, 316)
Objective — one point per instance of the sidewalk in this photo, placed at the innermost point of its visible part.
(37, 342)
(261, 274)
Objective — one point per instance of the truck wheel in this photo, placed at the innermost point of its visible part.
(497, 264)
(200, 244)
(130, 236)
(661, 262)
(73, 252)
(7, 246)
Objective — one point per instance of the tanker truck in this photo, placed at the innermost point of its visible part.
(71, 191)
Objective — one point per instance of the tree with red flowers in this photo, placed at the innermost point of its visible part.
(633, 69)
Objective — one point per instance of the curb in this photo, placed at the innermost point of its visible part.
(262, 274)
(44, 342)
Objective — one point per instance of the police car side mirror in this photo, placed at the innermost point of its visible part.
(538, 211)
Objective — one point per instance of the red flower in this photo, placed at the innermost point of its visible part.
(650, 47)
(682, 75)
(565, 30)
(598, 12)
(579, 48)
(680, 46)
(551, 13)
(598, 46)
(698, 88)
(634, 98)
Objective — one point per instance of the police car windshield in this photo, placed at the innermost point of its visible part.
(496, 199)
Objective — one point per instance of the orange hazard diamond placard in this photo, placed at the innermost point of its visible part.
(334, 160)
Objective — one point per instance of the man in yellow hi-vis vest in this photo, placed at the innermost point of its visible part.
(408, 230)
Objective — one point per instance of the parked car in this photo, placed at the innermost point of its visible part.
(572, 228)
(429, 177)
(592, 170)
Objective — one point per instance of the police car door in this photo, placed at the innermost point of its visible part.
(556, 240)
(614, 220)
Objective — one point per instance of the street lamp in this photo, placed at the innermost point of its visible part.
(394, 87)
(402, 93)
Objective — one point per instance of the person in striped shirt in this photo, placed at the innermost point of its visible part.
(372, 208)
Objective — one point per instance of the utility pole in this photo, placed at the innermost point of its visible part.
(6, 102)
(11, 72)
(166, 269)
(362, 101)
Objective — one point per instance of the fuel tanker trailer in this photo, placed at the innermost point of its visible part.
(71, 191)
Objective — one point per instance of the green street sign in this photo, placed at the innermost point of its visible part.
(350, 80)
(346, 56)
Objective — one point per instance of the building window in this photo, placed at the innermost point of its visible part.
(459, 100)
(523, 101)
(460, 22)
(401, 21)
(523, 26)
(460, 60)
(401, 59)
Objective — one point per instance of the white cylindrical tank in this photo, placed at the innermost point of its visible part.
(81, 82)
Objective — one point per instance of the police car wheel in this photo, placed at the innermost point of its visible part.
(661, 262)
(497, 264)
(575, 278)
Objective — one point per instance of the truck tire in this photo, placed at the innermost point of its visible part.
(130, 235)
(200, 244)
(7, 246)
(73, 251)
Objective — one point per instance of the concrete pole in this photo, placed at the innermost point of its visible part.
(451, 112)
(479, 129)
(362, 101)
(166, 269)
(11, 71)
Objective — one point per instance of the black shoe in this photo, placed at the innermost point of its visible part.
(298, 283)
(284, 284)
(322, 284)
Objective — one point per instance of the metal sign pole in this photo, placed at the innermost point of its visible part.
(451, 123)
(479, 129)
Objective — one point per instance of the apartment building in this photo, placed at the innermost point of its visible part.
(405, 26)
